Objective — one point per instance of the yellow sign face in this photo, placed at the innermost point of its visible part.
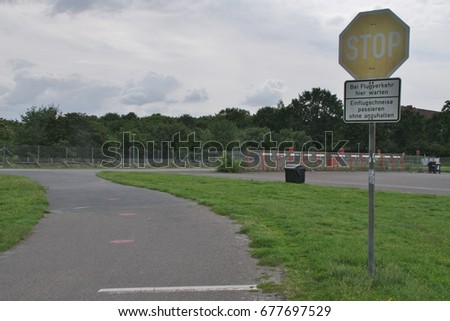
(374, 44)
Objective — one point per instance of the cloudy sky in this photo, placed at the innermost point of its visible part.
(199, 56)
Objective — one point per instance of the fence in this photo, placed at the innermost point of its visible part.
(49, 155)
(253, 160)
(267, 161)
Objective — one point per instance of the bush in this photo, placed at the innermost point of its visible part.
(229, 164)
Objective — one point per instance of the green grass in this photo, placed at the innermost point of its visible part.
(22, 204)
(318, 235)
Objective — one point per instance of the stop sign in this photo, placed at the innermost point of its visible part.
(374, 44)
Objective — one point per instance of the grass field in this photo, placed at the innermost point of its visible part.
(318, 235)
(22, 204)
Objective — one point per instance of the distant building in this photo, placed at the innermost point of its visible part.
(428, 114)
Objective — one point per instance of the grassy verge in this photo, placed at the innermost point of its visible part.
(319, 234)
(22, 204)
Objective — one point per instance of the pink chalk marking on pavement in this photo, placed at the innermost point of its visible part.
(121, 241)
(127, 214)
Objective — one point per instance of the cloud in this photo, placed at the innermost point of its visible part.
(3, 90)
(196, 95)
(17, 64)
(72, 6)
(152, 88)
(72, 92)
(78, 6)
(227, 45)
(268, 94)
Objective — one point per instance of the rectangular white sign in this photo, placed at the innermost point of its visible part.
(372, 100)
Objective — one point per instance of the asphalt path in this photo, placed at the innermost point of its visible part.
(105, 241)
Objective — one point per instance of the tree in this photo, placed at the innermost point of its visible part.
(41, 126)
(442, 124)
(6, 131)
(446, 106)
(255, 134)
(223, 131)
(130, 116)
(408, 134)
(357, 136)
(318, 111)
(240, 117)
(188, 120)
(268, 117)
(299, 138)
(159, 128)
(81, 130)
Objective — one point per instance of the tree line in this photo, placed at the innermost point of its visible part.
(305, 119)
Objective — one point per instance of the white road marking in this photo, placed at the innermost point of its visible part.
(175, 289)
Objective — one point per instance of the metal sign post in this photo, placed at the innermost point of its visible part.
(373, 46)
(371, 260)
(372, 101)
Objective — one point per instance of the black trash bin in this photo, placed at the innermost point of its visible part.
(295, 173)
(432, 167)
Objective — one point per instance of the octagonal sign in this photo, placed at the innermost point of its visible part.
(374, 44)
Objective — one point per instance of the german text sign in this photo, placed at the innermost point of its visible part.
(372, 100)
